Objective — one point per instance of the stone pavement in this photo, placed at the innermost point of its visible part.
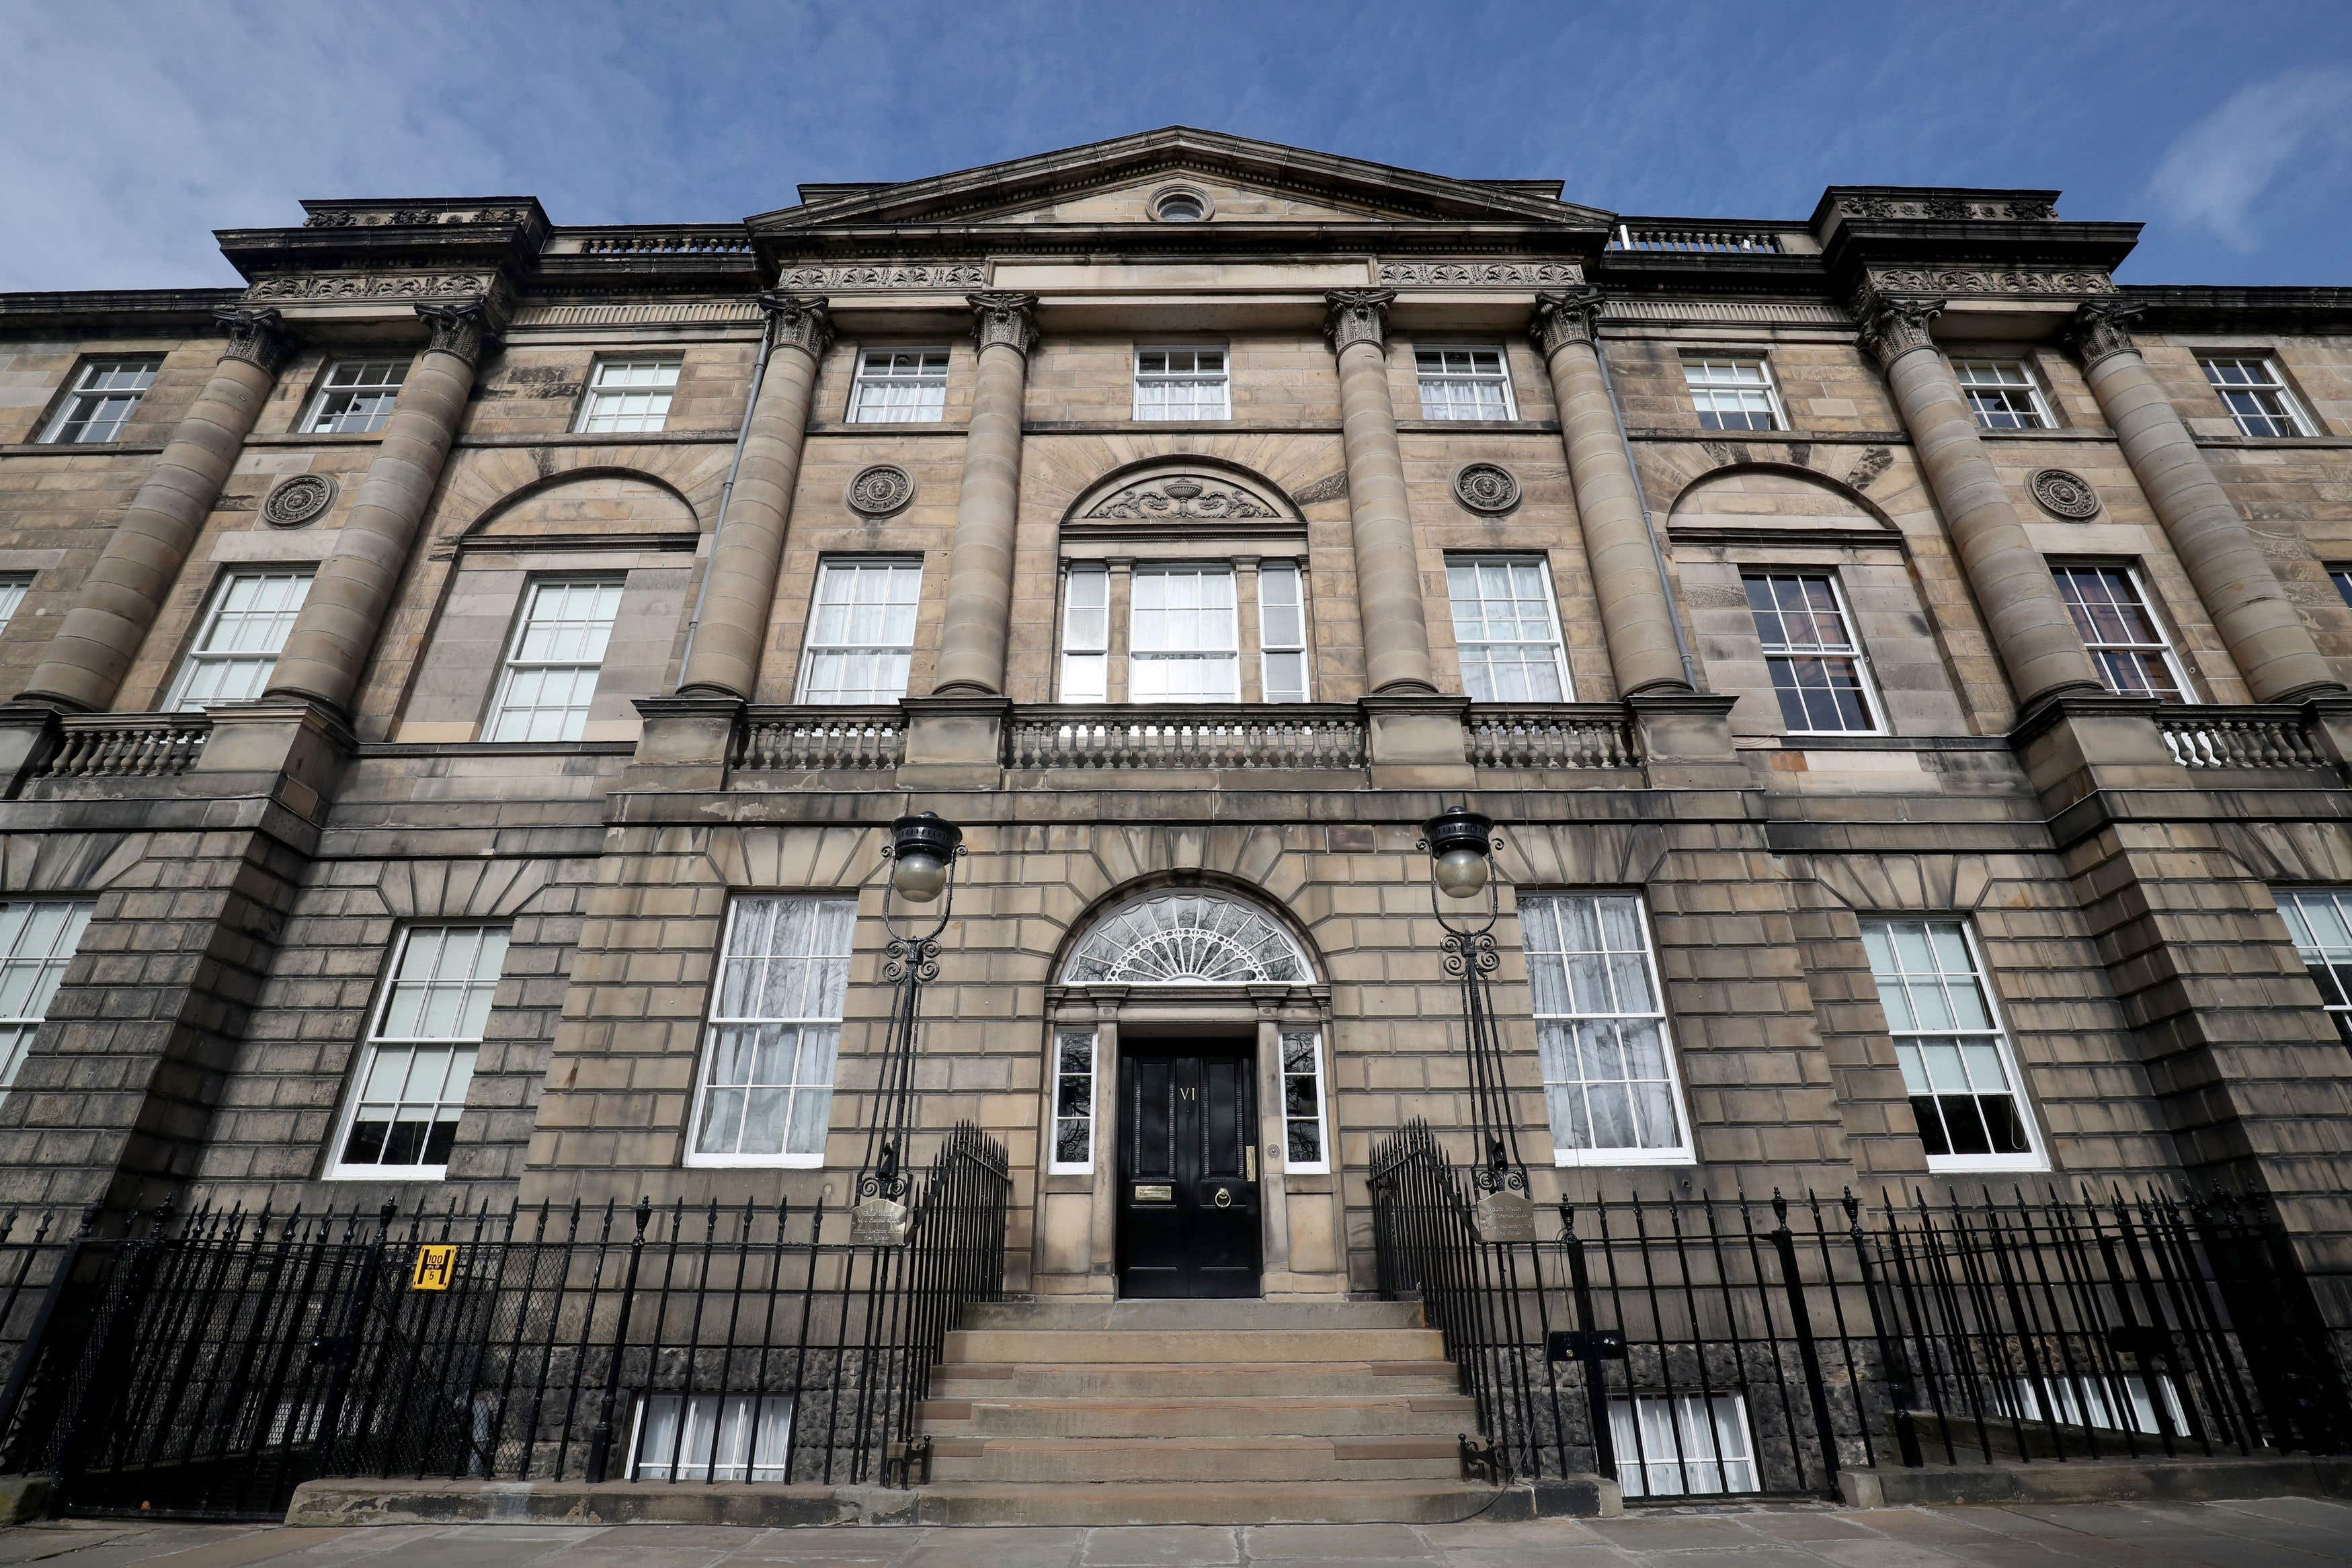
(2222, 1534)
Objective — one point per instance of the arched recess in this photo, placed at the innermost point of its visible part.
(1154, 489)
(1780, 496)
(585, 505)
(1185, 937)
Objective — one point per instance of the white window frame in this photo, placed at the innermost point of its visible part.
(200, 655)
(1693, 358)
(1997, 380)
(714, 1019)
(82, 393)
(730, 1410)
(930, 387)
(849, 569)
(2338, 573)
(1228, 657)
(2290, 408)
(1270, 647)
(1065, 1036)
(18, 1026)
(1446, 378)
(1311, 1037)
(1680, 1152)
(13, 586)
(2036, 1157)
(514, 665)
(1871, 701)
(1542, 565)
(2333, 960)
(1168, 376)
(1086, 649)
(2164, 644)
(1684, 1410)
(355, 1093)
(332, 403)
(605, 409)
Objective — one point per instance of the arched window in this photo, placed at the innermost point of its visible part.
(1187, 939)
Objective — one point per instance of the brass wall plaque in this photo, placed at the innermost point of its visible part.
(1149, 1193)
(879, 1222)
(1505, 1217)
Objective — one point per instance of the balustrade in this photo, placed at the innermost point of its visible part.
(1551, 735)
(127, 745)
(2208, 737)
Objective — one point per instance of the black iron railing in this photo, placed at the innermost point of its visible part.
(1714, 1346)
(220, 1361)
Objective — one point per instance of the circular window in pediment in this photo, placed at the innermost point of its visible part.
(1180, 204)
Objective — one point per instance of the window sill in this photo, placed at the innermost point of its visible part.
(318, 438)
(755, 1162)
(387, 1173)
(1973, 1164)
(1500, 426)
(1606, 1159)
(79, 449)
(2062, 432)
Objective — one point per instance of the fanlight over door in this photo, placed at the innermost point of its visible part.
(1187, 939)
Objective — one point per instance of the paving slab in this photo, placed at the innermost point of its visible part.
(1337, 1542)
(1673, 1533)
(1151, 1546)
(987, 1547)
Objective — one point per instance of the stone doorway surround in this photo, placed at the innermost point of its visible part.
(1303, 1246)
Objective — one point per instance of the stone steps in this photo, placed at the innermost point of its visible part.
(1271, 1415)
(1192, 1380)
(1196, 1412)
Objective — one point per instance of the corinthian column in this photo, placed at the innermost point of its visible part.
(1635, 616)
(101, 635)
(980, 560)
(2271, 646)
(1388, 567)
(725, 658)
(337, 628)
(2032, 631)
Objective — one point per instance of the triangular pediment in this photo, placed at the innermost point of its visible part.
(1245, 183)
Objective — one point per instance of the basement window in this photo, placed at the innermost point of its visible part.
(723, 1438)
(1681, 1444)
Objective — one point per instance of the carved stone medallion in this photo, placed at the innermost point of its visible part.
(304, 498)
(2065, 495)
(1486, 487)
(881, 490)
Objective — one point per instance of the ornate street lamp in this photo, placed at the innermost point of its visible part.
(1461, 844)
(922, 852)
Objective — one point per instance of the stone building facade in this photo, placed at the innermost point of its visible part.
(1907, 668)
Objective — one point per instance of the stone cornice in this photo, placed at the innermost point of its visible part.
(2225, 307)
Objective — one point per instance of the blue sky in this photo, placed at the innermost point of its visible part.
(127, 132)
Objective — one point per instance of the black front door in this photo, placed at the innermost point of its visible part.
(1187, 1222)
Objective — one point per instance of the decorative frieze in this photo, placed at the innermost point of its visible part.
(1945, 209)
(1874, 462)
(1007, 318)
(1330, 487)
(799, 321)
(1357, 316)
(257, 337)
(411, 217)
(329, 287)
(2064, 493)
(1988, 280)
(891, 275)
(1480, 274)
(1563, 318)
(1180, 498)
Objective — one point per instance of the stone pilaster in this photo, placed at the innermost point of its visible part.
(2032, 631)
(724, 657)
(978, 626)
(100, 636)
(336, 631)
(1388, 567)
(2272, 648)
(1635, 615)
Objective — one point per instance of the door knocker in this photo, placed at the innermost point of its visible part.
(1224, 1197)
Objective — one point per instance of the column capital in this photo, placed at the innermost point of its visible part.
(803, 321)
(1891, 326)
(2101, 328)
(466, 329)
(1571, 316)
(257, 337)
(1357, 316)
(1007, 318)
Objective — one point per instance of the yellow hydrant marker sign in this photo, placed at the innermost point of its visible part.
(433, 1267)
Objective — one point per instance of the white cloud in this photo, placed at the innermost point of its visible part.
(2217, 171)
